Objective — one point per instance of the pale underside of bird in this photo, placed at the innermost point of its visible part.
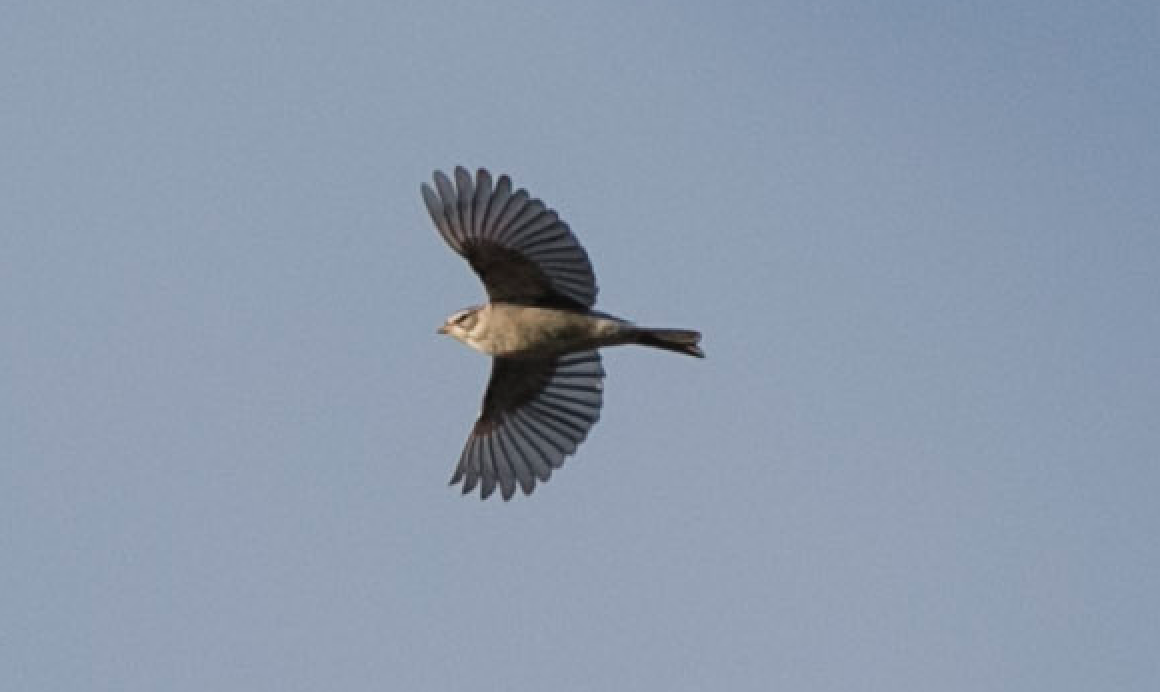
(547, 381)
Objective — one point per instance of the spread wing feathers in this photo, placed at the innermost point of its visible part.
(521, 249)
(535, 413)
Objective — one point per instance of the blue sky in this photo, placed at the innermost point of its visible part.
(921, 241)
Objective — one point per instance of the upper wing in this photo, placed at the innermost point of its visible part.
(521, 249)
(535, 413)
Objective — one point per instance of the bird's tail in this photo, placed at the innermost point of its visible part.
(679, 340)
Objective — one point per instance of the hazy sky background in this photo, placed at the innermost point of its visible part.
(922, 240)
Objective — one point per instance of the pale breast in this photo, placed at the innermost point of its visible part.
(522, 331)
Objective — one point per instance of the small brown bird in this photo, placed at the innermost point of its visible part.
(547, 382)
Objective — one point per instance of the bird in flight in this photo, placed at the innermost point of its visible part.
(538, 326)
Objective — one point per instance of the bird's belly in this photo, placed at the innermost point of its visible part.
(530, 332)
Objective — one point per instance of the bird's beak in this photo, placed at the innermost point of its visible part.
(442, 329)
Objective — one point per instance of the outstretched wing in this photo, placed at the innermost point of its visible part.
(535, 413)
(520, 248)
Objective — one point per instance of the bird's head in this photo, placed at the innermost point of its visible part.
(460, 324)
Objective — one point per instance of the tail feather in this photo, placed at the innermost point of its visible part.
(678, 340)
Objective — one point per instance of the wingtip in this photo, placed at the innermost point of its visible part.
(463, 182)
